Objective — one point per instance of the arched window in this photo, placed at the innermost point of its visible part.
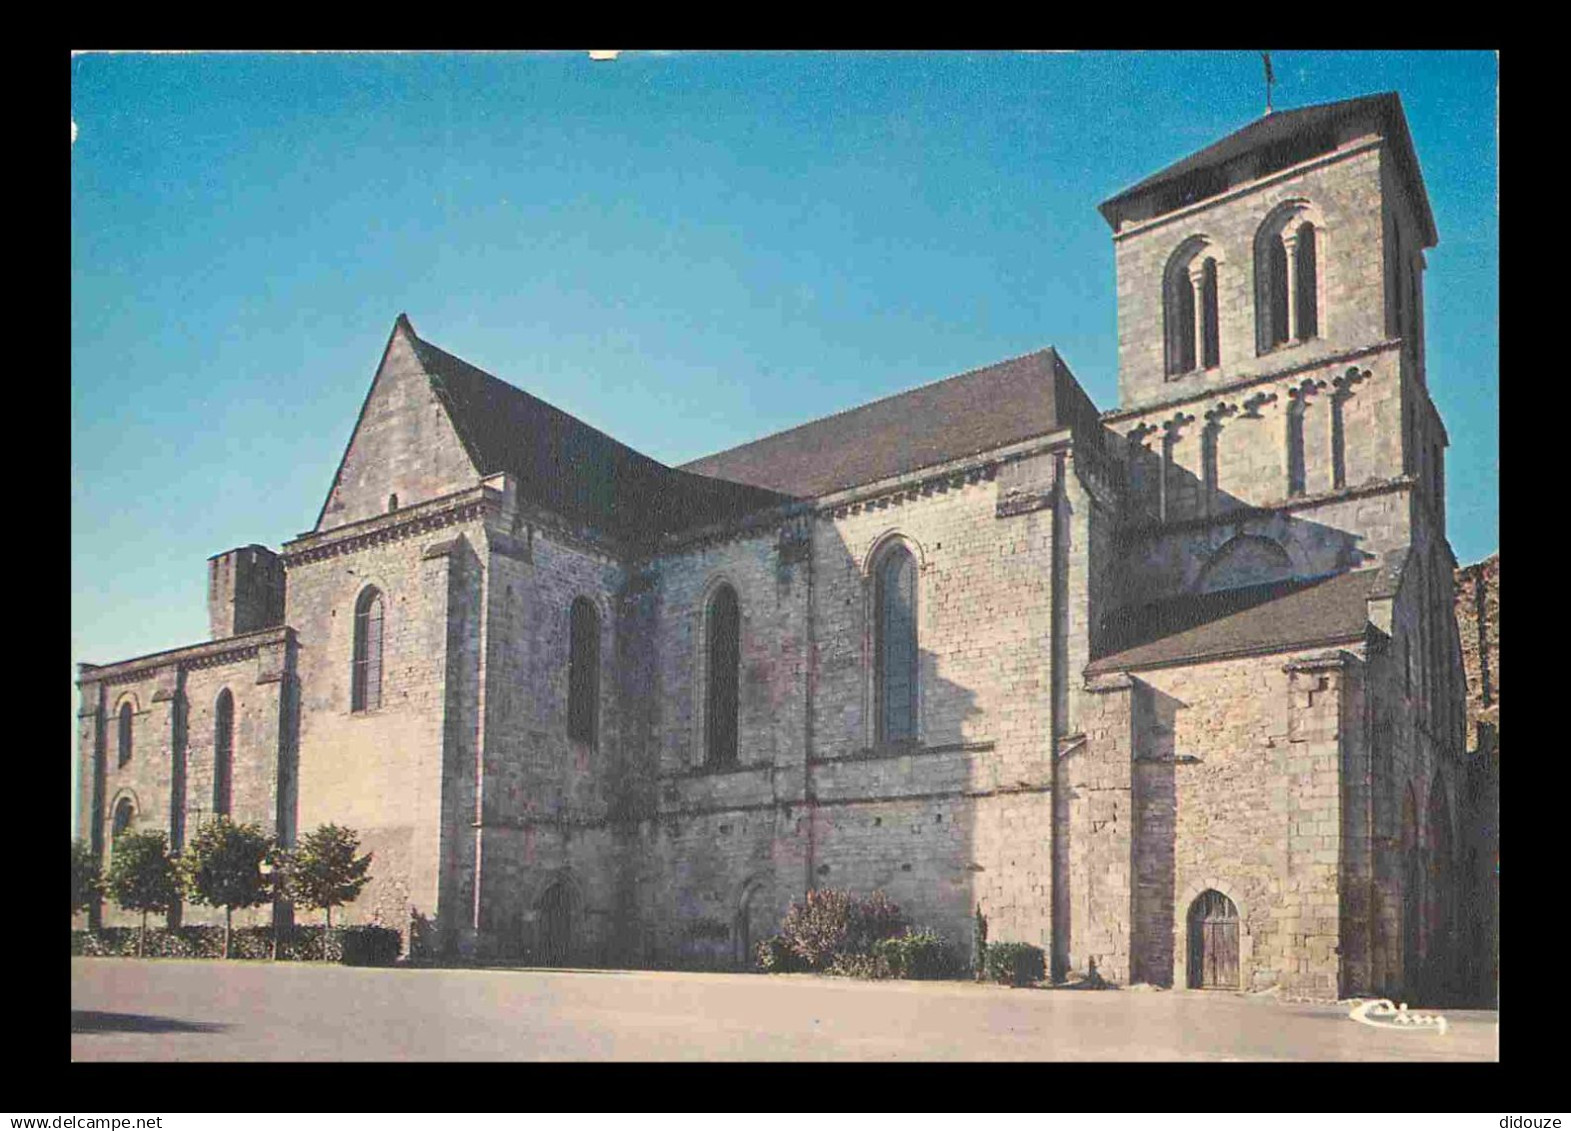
(123, 734)
(124, 813)
(1308, 289)
(583, 671)
(366, 685)
(722, 668)
(223, 752)
(894, 645)
(392, 503)
(1189, 308)
(1287, 277)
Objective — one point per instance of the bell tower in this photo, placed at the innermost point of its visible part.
(1270, 334)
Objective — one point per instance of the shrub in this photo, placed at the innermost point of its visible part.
(918, 954)
(859, 966)
(775, 956)
(1015, 964)
(829, 922)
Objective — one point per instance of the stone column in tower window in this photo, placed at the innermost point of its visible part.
(1197, 281)
(1290, 247)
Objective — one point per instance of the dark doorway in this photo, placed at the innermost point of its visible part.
(1213, 942)
(556, 926)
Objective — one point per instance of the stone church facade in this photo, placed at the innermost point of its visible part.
(1175, 687)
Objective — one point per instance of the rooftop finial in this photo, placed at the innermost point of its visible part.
(1270, 78)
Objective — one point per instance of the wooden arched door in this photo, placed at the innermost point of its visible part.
(1213, 942)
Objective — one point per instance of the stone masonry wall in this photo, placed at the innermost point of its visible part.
(382, 771)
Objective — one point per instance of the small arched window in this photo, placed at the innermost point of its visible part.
(1189, 309)
(1287, 277)
(895, 645)
(124, 814)
(223, 752)
(722, 669)
(366, 682)
(392, 503)
(123, 734)
(583, 671)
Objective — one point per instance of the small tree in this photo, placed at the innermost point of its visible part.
(323, 870)
(142, 877)
(980, 941)
(87, 882)
(223, 867)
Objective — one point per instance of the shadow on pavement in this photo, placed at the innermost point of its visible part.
(87, 1021)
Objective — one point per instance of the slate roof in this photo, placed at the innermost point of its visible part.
(1280, 616)
(950, 419)
(566, 466)
(1283, 127)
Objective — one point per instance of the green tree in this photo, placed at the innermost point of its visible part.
(323, 870)
(142, 877)
(87, 882)
(225, 865)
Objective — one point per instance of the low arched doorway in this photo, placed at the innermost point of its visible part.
(742, 932)
(1213, 942)
(556, 925)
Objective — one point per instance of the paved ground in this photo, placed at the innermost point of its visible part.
(124, 1009)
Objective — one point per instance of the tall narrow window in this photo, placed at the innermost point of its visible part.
(366, 686)
(1184, 317)
(123, 733)
(895, 645)
(124, 812)
(223, 752)
(583, 671)
(1295, 446)
(722, 668)
(1208, 445)
(1211, 348)
(1308, 306)
(1276, 293)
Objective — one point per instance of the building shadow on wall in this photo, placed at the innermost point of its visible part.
(92, 1021)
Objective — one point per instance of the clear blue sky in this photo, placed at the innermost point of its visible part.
(685, 250)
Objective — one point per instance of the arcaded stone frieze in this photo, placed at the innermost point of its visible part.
(215, 653)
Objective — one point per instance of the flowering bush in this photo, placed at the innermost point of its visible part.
(775, 956)
(829, 922)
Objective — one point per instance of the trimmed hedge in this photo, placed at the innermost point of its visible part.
(1015, 963)
(918, 954)
(351, 946)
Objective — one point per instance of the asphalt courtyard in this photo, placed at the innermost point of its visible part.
(124, 1009)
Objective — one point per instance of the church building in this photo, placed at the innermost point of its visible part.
(1173, 687)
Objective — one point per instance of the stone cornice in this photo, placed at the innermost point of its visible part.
(411, 522)
(214, 653)
(1138, 227)
(1229, 388)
